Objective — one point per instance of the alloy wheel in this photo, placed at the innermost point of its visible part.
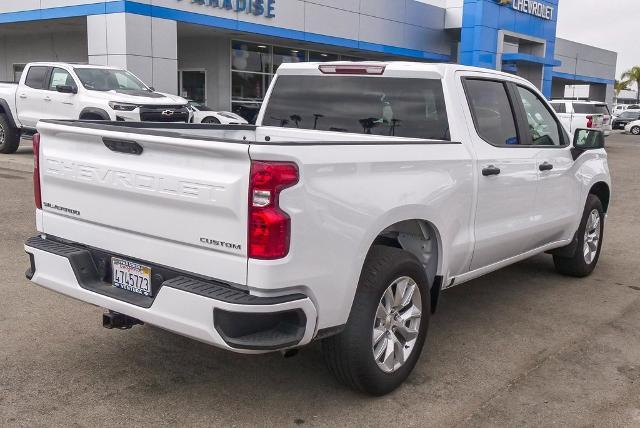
(397, 324)
(592, 237)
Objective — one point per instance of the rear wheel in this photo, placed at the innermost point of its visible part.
(589, 235)
(387, 327)
(9, 136)
(635, 130)
(211, 120)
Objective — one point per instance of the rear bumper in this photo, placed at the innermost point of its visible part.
(209, 311)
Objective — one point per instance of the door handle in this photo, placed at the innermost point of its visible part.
(47, 98)
(490, 170)
(546, 166)
(23, 96)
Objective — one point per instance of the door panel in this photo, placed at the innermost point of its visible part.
(505, 206)
(31, 96)
(556, 197)
(505, 203)
(556, 203)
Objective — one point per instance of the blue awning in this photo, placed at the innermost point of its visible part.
(579, 78)
(522, 57)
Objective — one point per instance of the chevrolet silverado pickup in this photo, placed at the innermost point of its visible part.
(88, 92)
(363, 192)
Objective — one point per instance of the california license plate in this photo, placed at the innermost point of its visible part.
(131, 276)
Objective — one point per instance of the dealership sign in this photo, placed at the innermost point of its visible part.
(264, 8)
(531, 7)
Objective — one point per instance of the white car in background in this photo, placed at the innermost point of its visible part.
(54, 90)
(576, 114)
(618, 109)
(200, 113)
(633, 127)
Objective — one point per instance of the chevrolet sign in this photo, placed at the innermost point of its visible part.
(531, 7)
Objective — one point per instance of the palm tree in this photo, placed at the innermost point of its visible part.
(633, 75)
(620, 85)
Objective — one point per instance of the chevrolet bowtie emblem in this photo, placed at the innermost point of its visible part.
(504, 1)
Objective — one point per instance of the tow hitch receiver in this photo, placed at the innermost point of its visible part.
(119, 321)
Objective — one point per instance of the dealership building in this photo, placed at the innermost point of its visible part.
(225, 52)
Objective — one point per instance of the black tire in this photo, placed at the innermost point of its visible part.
(349, 355)
(211, 120)
(9, 136)
(578, 265)
(635, 130)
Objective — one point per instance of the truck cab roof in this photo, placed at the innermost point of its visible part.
(391, 68)
(72, 65)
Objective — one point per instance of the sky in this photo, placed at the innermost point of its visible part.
(608, 24)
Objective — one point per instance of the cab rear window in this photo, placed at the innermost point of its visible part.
(400, 107)
(584, 108)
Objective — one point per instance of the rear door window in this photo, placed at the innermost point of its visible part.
(492, 112)
(36, 77)
(400, 107)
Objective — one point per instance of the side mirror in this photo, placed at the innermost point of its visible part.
(67, 89)
(587, 139)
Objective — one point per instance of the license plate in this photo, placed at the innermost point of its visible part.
(131, 276)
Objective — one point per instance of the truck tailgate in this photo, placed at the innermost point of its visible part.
(180, 202)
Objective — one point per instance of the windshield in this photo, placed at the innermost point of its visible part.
(200, 106)
(100, 79)
(630, 115)
(400, 107)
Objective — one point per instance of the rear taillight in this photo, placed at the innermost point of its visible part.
(269, 226)
(37, 193)
(361, 69)
(589, 121)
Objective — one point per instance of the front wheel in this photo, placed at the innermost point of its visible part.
(387, 327)
(589, 235)
(635, 130)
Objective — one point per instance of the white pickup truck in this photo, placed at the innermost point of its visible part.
(575, 114)
(87, 92)
(365, 190)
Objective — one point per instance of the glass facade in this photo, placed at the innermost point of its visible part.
(253, 66)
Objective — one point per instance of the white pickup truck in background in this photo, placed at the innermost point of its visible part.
(583, 114)
(89, 92)
(341, 216)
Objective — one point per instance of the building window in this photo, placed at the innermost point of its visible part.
(253, 66)
(193, 85)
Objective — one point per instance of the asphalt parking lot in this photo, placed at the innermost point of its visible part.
(523, 346)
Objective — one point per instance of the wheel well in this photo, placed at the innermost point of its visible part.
(91, 116)
(420, 238)
(601, 190)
